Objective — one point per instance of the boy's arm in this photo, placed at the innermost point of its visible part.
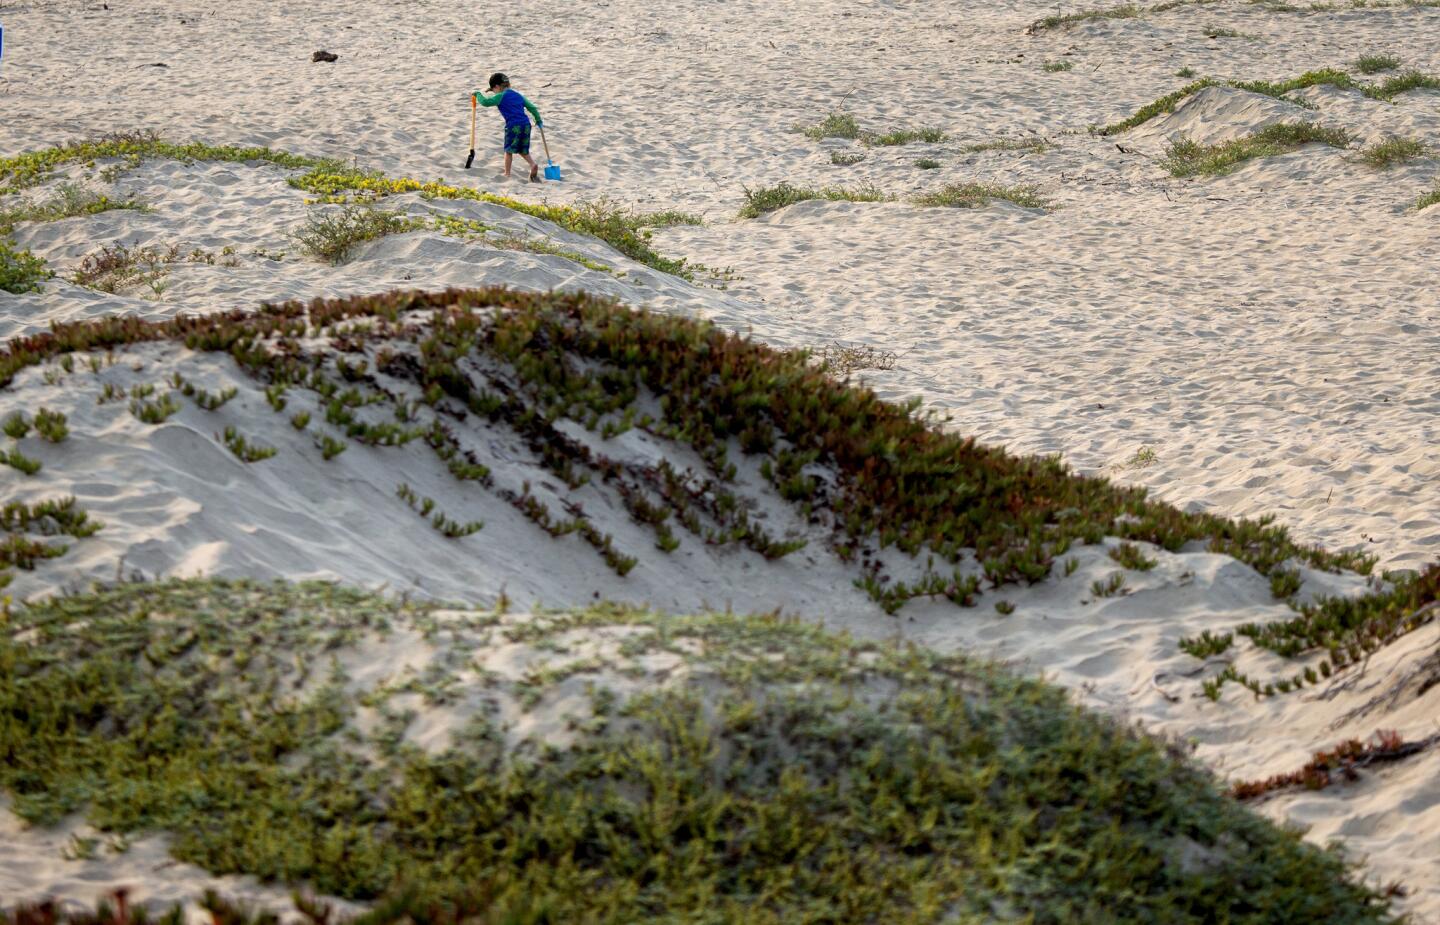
(534, 112)
(484, 100)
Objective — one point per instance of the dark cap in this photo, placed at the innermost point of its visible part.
(497, 78)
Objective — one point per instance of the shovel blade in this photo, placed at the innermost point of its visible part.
(552, 172)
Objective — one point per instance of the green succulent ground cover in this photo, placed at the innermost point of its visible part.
(789, 775)
(899, 480)
(332, 180)
(1387, 90)
(1186, 158)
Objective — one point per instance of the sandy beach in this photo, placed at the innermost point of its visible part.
(1258, 343)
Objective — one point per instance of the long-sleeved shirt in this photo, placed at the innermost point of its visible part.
(512, 106)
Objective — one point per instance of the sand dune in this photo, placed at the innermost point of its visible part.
(1261, 343)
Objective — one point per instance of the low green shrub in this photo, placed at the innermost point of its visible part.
(331, 235)
(20, 270)
(786, 775)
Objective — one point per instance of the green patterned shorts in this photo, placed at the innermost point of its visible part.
(517, 138)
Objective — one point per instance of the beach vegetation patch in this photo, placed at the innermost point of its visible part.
(19, 461)
(1342, 763)
(743, 787)
(1429, 199)
(117, 267)
(1055, 67)
(846, 158)
(51, 425)
(70, 200)
(893, 478)
(243, 449)
(1404, 83)
(1392, 152)
(1186, 158)
(20, 270)
(1206, 644)
(1328, 77)
(1220, 32)
(668, 218)
(1375, 64)
(771, 198)
(1021, 145)
(906, 136)
(980, 195)
(1345, 630)
(331, 235)
(1123, 11)
(334, 181)
(926, 163)
(844, 359)
(1130, 556)
(834, 125)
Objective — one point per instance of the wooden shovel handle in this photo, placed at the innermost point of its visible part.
(472, 122)
(545, 143)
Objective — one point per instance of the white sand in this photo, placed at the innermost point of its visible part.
(1271, 335)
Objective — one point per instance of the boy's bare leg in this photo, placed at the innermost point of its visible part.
(534, 168)
(508, 158)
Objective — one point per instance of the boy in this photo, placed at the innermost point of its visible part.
(517, 126)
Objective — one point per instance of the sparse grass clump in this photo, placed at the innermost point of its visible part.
(907, 136)
(771, 198)
(846, 158)
(744, 789)
(1123, 11)
(926, 163)
(834, 125)
(1055, 67)
(1219, 32)
(20, 270)
(1022, 145)
(844, 359)
(1392, 152)
(51, 425)
(1130, 556)
(70, 200)
(244, 450)
(1206, 644)
(17, 426)
(117, 267)
(1375, 64)
(1404, 83)
(669, 218)
(980, 195)
(1186, 158)
(1429, 199)
(19, 461)
(330, 236)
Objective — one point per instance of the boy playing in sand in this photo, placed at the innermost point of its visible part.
(517, 125)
